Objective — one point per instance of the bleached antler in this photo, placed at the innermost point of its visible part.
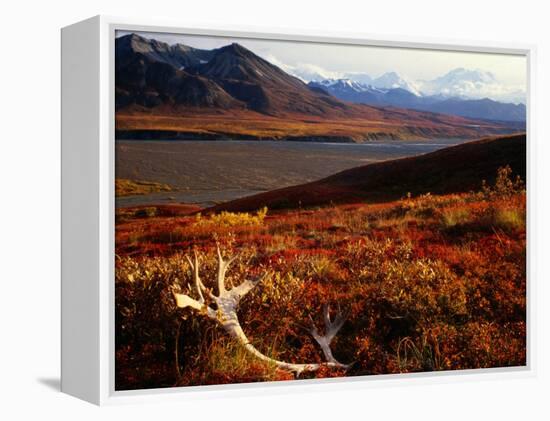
(227, 302)
(331, 329)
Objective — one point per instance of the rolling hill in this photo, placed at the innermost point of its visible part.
(455, 169)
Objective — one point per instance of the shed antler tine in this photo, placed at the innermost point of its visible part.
(190, 262)
(326, 311)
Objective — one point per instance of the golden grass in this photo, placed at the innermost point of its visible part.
(242, 124)
(126, 187)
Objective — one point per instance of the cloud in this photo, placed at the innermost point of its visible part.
(473, 83)
(305, 71)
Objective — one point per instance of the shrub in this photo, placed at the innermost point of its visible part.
(230, 219)
(146, 321)
(323, 267)
(422, 291)
(422, 355)
(505, 186)
(149, 212)
(426, 205)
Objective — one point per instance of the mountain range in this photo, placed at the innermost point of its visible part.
(150, 73)
(178, 91)
(398, 96)
(459, 82)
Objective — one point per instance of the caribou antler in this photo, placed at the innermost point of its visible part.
(227, 302)
(331, 329)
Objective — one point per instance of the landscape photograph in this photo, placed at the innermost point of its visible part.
(291, 210)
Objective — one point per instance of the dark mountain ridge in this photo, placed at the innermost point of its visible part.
(149, 73)
(178, 55)
(246, 79)
(264, 87)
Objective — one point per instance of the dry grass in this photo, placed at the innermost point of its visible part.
(125, 187)
(249, 124)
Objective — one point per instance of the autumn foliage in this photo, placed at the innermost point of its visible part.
(430, 283)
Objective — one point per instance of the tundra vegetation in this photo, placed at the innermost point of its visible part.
(125, 187)
(429, 282)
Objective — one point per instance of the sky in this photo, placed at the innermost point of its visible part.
(305, 59)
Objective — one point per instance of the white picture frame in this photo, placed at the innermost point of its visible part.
(88, 213)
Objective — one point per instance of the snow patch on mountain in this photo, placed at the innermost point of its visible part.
(347, 85)
(392, 80)
(341, 84)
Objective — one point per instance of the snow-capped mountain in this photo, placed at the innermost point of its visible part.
(349, 90)
(392, 80)
(362, 78)
(348, 85)
(473, 84)
(488, 97)
(458, 83)
(363, 82)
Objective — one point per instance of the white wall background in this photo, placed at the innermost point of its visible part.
(29, 209)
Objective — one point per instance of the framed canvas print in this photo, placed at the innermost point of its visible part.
(245, 210)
